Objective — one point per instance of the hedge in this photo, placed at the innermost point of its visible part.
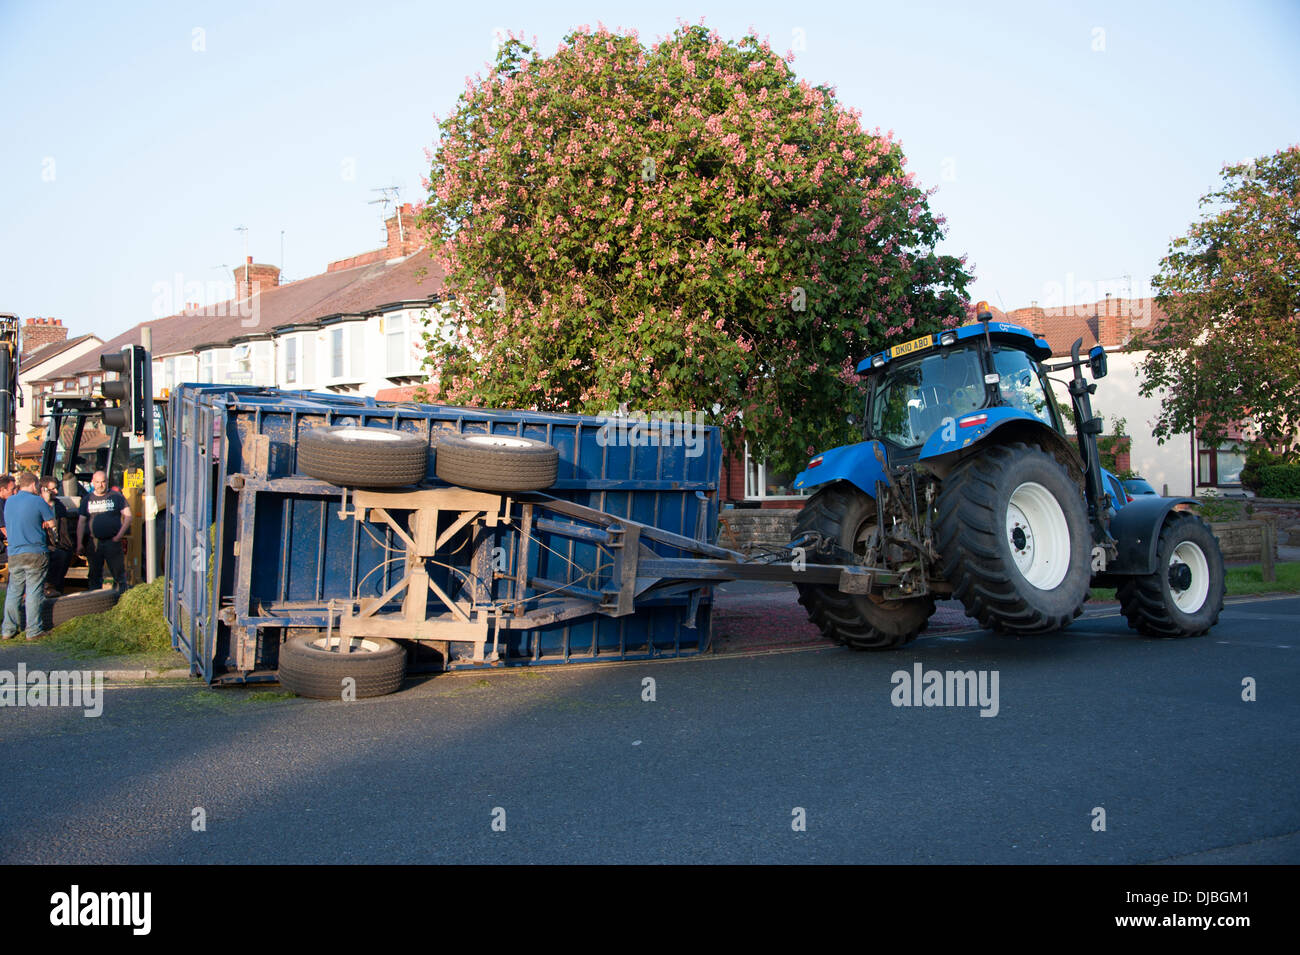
(1279, 480)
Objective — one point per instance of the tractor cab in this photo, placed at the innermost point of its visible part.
(943, 387)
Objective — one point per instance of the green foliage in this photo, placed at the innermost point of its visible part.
(1280, 480)
(1250, 579)
(1230, 350)
(1111, 446)
(1258, 458)
(683, 227)
(1221, 509)
(135, 624)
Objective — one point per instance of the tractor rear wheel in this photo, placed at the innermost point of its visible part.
(1013, 539)
(1184, 596)
(843, 514)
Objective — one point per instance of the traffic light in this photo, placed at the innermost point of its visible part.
(129, 389)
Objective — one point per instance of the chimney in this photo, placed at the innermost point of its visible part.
(39, 332)
(402, 233)
(1113, 327)
(251, 278)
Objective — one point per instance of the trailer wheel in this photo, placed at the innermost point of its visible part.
(496, 462)
(842, 513)
(62, 609)
(363, 457)
(315, 665)
(1013, 539)
(1184, 596)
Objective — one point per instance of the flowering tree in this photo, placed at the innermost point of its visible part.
(683, 227)
(1230, 349)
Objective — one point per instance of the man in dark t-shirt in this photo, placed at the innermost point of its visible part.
(60, 541)
(107, 517)
(7, 488)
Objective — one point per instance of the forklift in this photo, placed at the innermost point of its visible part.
(78, 443)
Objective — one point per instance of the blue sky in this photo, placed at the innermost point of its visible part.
(1069, 143)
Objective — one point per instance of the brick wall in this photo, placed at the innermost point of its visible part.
(1241, 541)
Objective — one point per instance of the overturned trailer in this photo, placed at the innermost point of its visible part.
(320, 539)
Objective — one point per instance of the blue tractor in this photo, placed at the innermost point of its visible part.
(965, 485)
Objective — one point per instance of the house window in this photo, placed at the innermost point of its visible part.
(291, 360)
(169, 373)
(357, 364)
(263, 362)
(395, 341)
(308, 360)
(1219, 467)
(336, 353)
(205, 367)
(768, 484)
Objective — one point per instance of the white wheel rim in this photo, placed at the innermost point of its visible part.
(353, 645)
(1038, 535)
(1193, 598)
(497, 441)
(368, 434)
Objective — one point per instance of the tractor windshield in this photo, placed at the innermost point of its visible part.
(913, 398)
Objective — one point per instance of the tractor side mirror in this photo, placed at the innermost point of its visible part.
(1097, 361)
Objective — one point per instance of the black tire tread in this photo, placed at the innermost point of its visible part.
(842, 617)
(328, 456)
(487, 468)
(314, 673)
(1143, 598)
(60, 610)
(975, 560)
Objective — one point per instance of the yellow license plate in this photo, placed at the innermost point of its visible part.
(907, 348)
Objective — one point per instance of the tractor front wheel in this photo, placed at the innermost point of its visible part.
(1013, 539)
(843, 514)
(1184, 596)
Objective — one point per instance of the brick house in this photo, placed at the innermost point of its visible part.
(1183, 465)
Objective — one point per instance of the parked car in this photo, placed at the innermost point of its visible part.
(1139, 486)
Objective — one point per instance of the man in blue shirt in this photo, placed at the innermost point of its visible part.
(26, 518)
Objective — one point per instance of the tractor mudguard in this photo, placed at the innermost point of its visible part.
(974, 426)
(855, 463)
(1136, 529)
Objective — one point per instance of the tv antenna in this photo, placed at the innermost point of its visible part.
(390, 195)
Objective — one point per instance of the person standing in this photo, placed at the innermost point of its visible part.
(27, 517)
(60, 542)
(107, 516)
(7, 488)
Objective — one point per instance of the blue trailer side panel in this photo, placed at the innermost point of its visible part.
(242, 566)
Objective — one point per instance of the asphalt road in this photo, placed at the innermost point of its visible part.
(580, 768)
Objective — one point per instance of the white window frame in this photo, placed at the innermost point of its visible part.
(756, 482)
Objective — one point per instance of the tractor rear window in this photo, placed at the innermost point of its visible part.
(914, 398)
